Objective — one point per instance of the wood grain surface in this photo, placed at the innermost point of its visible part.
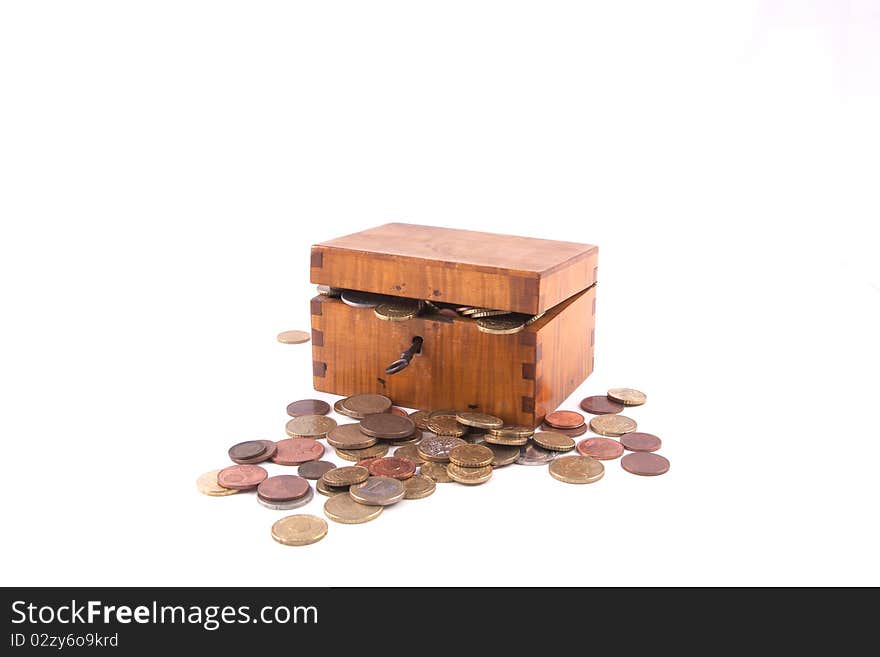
(518, 377)
(506, 272)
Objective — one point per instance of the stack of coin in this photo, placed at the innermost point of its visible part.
(391, 428)
(470, 464)
(252, 451)
(359, 406)
(284, 492)
(339, 480)
(571, 423)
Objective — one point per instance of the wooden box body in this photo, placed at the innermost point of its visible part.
(519, 377)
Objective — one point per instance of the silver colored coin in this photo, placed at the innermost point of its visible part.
(287, 506)
(328, 291)
(437, 448)
(381, 491)
(531, 454)
(357, 299)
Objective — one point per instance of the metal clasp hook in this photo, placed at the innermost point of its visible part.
(406, 356)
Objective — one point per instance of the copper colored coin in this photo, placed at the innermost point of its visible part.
(241, 477)
(571, 433)
(564, 419)
(246, 450)
(350, 436)
(604, 449)
(387, 426)
(646, 464)
(293, 451)
(601, 405)
(640, 442)
(314, 469)
(308, 407)
(357, 455)
(392, 466)
(283, 488)
(612, 425)
(345, 476)
(397, 410)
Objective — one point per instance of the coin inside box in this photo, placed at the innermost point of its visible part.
(518, 376)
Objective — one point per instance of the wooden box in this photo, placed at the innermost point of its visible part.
(519, 377)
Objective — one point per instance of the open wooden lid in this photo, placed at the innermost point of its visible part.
(503, 272)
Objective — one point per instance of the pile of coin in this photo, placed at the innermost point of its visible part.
(432, 447)
(398, 309)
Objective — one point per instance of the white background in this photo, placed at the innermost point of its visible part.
(165, 166)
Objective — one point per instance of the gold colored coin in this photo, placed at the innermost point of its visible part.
(503, 454)
(445, 425)
(577, 469)
(358, 406)
(324, 489)
(410, 452)
(341, 508)
(502, 324)
(469, 476)
(355, 455)
(443, 412)
(509, 435)
(207, 485)
(479, 420)
(612, 425)
(535, 318)
(299, 529)
(350, 436)
(348, 475)
(294, 337)
(436, 471)
(418, 486)
(627, 396)
(471, 456)
(557, 442)
(420, 418)
(398, 310)
(310, 426)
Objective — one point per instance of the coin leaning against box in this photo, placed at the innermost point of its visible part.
(501, 299)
